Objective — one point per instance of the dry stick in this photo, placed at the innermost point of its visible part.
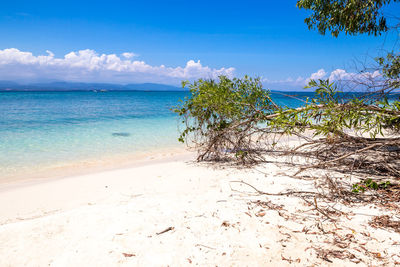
(290, 96)
(201, 157)
(273, 103)
(200, 245)
(166, 230)
(339, 158)
(391, 169)
(272, 194)
(321, 211)
(287, 193)
(300, 146)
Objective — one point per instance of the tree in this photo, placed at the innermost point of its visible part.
(355, 17)
(349, 16)
(220, 117)
(347, 132)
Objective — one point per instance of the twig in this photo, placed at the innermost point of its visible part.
(321, 211)
(339, 158)
(166, 230)
(272, 194)
(200, 245)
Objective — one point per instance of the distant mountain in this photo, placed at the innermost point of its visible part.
(4, 84)
(153, 87)
(72, 86)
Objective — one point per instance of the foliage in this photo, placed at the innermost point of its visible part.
(370, 184)
(349, 16)
(219, 115)
(350, 133)
(331, 115)
(237, 117)
(390, 69)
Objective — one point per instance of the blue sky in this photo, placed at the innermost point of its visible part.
(259, 38)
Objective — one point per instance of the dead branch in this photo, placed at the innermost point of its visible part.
(272, 194)
(337, 159)
(166, 230)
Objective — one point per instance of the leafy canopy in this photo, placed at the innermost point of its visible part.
(219, 114)
(349, 16)
(332, 113)
(214, 105)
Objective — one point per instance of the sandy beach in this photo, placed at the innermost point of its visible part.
(172, 211)
(200, 133)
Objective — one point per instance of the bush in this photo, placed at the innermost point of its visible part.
(221, 115)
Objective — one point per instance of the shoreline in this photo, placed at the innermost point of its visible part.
(92, 166)
(37, 197)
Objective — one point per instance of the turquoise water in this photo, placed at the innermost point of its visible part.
(40, 130)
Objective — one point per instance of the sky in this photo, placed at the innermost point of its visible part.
(170, 41)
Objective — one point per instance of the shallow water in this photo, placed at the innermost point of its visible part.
(44, 129)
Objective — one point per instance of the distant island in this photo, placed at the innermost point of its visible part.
(72, 86)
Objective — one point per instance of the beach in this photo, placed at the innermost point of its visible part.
(200, 133)
(173, 211)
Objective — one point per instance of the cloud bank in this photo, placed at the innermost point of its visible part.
(339, 75)
(89, 66)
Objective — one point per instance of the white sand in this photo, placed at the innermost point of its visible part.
(112, 218)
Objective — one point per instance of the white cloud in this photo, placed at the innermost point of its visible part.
(343, 75)
(129, 55)
(320, 74)
(87, 65)
(50, 53)
(339, 75)
(289, 80)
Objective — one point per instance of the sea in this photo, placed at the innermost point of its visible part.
(42, 132)
(49, 131)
